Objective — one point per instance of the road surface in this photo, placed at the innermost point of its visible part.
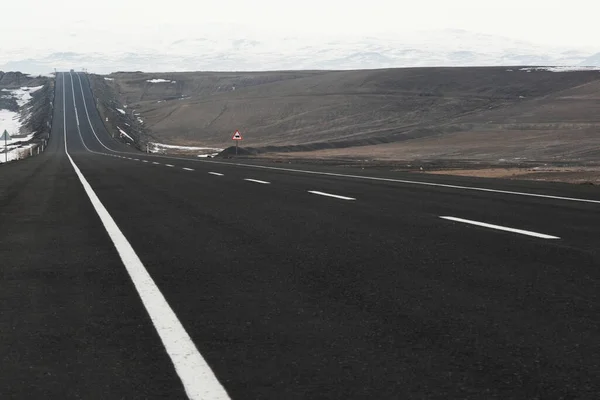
(135, 276)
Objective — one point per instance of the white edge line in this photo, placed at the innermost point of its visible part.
(331, 195)
(198, 379)
(257, 181)
(501, 228)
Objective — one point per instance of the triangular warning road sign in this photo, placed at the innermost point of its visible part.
(237, 136)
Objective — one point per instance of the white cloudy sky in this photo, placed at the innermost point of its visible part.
(570, 23)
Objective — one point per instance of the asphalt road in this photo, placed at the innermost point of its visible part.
(135, 276)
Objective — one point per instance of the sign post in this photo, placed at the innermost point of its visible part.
(5, 134)
(237, 136)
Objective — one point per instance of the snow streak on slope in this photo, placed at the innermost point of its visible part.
(561, 69)
(124, 134)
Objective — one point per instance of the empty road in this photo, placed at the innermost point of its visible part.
(135, 276)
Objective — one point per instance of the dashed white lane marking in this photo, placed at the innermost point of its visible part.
(187, 169)
(155, 163)
(136, 159)
(257, 181)
(169, 165)
(404, 181)
(215, 173)
(501, 228)
(331, 195)
(198, 379)
(145, 161)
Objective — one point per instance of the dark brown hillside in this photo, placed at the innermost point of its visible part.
(441, 112)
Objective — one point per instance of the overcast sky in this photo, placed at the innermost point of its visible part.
(572, 23)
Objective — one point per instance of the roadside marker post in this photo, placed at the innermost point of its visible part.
(5, 134)
(237, 136)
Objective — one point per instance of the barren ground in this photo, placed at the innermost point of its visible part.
(499, 116)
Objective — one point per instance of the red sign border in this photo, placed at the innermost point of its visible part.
(237, 133)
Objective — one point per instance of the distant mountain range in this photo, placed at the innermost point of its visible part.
(217, 51)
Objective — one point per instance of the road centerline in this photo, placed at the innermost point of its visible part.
(501, 228)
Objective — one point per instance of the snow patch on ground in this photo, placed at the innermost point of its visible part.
(160, 81)
(204, 151)
(125, 134)
(121, 111)
(9, 121)
(108, 79)
(560, 69)
(171, 146)
(22, 95)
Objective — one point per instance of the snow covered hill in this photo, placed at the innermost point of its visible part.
(592, 61)
(243, 51)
